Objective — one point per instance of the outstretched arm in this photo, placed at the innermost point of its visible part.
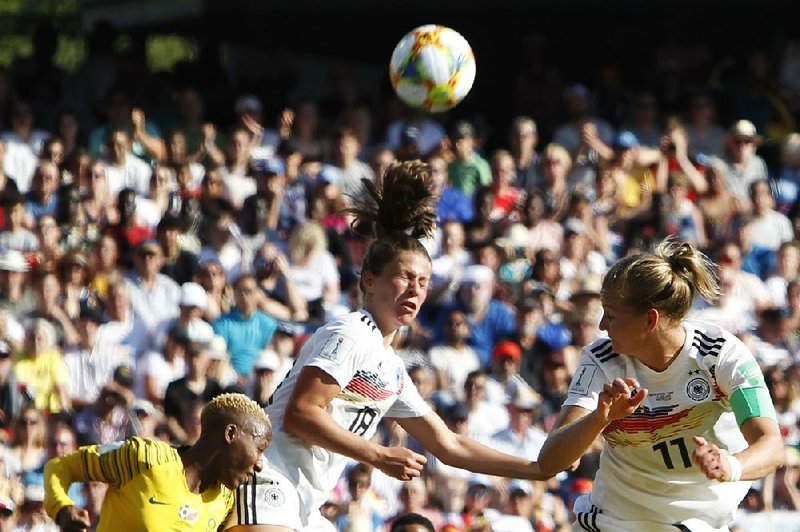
(576, 427)
(459, 451)
(307, 418)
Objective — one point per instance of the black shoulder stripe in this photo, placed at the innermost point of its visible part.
(365, 319)
(709, 340)
(601, 347)
(607, 351)
(608, 357)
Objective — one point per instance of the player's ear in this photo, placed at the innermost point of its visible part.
(653, 317)
(368, 279)
(231, 431)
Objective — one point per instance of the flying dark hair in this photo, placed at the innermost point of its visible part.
(399, 212)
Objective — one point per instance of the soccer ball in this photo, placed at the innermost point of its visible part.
(432, 68)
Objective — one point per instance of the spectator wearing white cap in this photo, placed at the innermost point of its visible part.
(264, 382)
(192, 304)
(743, 166)
(489, 319)
(15, 294)
(219, 362)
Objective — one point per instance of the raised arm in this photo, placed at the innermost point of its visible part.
(307, 418)
(577, 427)
(459, 451)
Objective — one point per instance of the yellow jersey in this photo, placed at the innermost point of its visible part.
(43, 375)
(147, 488)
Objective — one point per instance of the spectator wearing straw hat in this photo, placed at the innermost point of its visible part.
(15, 294)
(743, 166)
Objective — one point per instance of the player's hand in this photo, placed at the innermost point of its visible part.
(710, 460)
(401, 463)
(137, 117)
(73, 519)
(620, 399)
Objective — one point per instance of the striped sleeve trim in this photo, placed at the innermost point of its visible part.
(588, 520)
(604, 351)
(707, 346)
(246, 502)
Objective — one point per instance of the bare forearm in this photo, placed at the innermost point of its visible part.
(476, 457)
(154, 146)
(695, 177)
(762, 458)
(297, 303)
(567, 444)
(315, 426)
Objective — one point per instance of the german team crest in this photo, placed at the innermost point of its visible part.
(698, 389)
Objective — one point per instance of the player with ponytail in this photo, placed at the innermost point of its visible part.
(347, 378)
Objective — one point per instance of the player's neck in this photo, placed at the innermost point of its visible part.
(665, 349)
(388, 330)
(196, 460)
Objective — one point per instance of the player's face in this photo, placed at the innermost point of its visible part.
(625, 327)
(245, 458)
(400, 289)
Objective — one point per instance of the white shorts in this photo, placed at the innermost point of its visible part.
(269, 498)
(589, 517)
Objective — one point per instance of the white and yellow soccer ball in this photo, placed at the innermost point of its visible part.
(432, 68)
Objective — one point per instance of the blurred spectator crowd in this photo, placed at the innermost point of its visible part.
(160, 245)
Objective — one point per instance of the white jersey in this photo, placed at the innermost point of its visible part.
(646, 472)
(374, 384)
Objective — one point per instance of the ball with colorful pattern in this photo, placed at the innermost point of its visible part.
(432, 68)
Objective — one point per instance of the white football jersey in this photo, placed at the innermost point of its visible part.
(646, 471)
(374, 383)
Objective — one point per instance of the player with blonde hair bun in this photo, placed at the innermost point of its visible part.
(682, 405)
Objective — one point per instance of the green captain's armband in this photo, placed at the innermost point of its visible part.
(752, 402)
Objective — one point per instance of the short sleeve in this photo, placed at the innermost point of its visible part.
(340, 356)
(737, 369)
(330, 275)
(409, 403)
(587, 383)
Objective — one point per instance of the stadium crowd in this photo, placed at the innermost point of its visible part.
(162, 244)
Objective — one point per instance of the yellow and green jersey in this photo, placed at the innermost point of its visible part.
(147, 488)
